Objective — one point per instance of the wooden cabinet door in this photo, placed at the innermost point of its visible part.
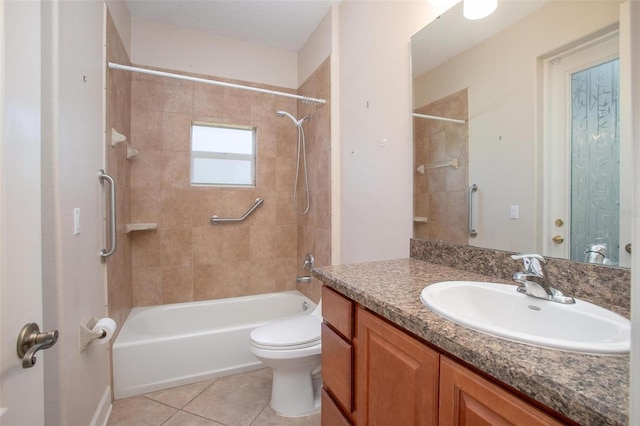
(397, 376)
(468, 399)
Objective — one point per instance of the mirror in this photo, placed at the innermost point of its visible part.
(495, 75)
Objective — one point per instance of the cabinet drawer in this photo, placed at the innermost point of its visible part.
(337, 310)
(331, 414)
(337, 374)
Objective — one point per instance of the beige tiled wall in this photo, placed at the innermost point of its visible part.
(440, 194)
(187, 258)
(119, 117)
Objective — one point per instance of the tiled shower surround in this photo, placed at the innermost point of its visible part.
(440, 194)
(187, 258)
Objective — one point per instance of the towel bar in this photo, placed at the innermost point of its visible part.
(104, 253)
(215, 219)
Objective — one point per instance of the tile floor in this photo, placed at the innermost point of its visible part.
(238, 400)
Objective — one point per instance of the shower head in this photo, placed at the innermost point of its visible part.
(286, 114)
(296, 122)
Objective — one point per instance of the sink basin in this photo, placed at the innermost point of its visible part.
(499, 310)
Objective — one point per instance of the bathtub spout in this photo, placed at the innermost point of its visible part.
(303, 280)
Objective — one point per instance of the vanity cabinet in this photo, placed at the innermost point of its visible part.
(467, 398)
(397, 375)
(337, 359)
(375, 373)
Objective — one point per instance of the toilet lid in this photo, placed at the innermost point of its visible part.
(293, 333)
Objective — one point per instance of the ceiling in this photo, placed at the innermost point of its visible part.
(281, 24)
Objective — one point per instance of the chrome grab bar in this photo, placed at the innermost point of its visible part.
(472, 232)
(104, 253)
(215, 219)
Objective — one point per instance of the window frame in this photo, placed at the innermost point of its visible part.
(195, 154)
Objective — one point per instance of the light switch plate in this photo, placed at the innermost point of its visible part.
(514, 212)
(76, 221)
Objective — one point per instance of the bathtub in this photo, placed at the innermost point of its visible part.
(164, 346)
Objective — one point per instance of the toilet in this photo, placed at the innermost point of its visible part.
(291, 348)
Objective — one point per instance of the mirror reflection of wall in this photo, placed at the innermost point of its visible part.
(441, 151)
(503, 75)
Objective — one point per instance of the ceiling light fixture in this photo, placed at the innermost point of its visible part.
(478, 9)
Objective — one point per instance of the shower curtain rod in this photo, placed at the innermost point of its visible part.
(434, 117)
(215, 83)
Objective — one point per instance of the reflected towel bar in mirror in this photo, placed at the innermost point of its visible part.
(472, 231)
(435, 117)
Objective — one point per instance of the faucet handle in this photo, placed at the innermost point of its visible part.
(531, 262)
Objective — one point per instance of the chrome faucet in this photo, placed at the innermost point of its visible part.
(309, 263)
(307, 266)
(533, 281)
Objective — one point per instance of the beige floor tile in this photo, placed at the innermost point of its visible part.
(268, 417)
(233, 400)
(263, 373)
(186, 419)
(179, 396)
(242, 399)
(139, 411)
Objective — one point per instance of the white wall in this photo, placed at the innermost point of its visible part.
(503, 87)
(634, 396)
(165, 46)
(74, 283)
(376, 133)
(316, 49)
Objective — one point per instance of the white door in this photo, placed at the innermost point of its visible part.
(583, 152)
(21, 390)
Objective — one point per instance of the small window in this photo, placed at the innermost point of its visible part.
(222, 155)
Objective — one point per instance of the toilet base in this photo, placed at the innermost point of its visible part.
(295, 393)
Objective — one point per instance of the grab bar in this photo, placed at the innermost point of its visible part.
(104, 253)
(472, 232)
(215, 219)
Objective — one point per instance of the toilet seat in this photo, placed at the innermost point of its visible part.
(293, 333)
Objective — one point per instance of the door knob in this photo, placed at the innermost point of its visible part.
(558, 239)
(31, 340)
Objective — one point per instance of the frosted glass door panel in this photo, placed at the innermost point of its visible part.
(595, 160)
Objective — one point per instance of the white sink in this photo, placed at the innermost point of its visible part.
(499, 310)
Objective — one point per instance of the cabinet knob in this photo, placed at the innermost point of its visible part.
(558, 239)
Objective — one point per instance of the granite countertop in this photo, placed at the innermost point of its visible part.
(589, 389)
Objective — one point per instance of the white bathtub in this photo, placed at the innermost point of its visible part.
(171, 345)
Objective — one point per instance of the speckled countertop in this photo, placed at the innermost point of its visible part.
(589, 389)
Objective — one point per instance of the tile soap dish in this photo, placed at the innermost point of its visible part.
(141, 227)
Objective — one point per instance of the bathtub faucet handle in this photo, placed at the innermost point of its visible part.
(309, 262)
